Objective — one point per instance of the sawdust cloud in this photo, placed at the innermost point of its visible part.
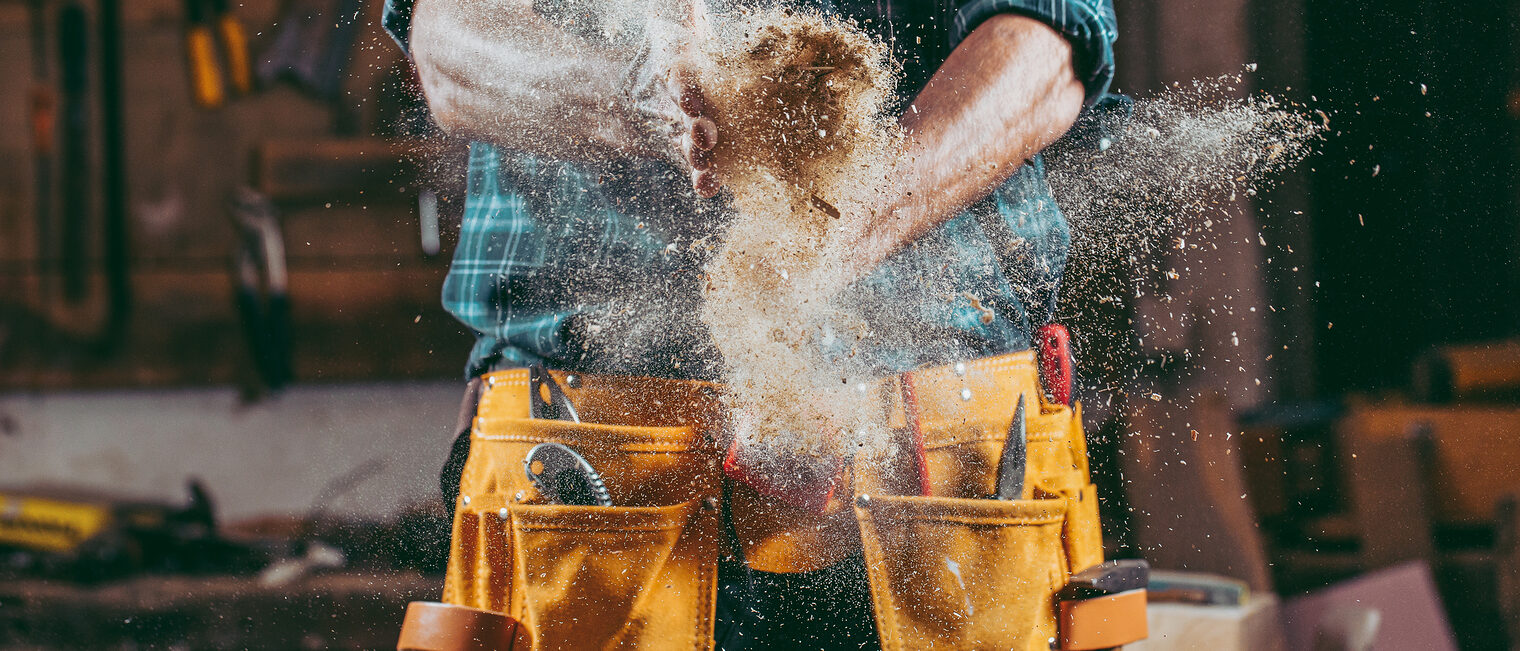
(799, 99)
(1168, 174)
(1190, 150)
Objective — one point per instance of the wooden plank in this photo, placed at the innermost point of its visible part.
(1388, 495)
(327, 169)
(1473, 457)
(1187, 491)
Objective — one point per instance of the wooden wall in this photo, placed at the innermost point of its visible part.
(365, 298)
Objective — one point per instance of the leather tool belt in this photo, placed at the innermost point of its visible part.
(948, 567)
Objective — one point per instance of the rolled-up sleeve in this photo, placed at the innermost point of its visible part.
(398, 21)
(1089, 25)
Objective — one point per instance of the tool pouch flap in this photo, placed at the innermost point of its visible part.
(624, 577)
(952, 573)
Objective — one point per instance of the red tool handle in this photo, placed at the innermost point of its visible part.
(1054, 345)
(799, 480)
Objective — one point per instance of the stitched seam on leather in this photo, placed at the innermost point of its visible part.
(596, 528)
(891, 639)
(704, 640)
(643, 446)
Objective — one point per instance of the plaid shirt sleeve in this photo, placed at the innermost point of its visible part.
(1089, 25)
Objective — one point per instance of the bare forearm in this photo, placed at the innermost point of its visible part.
(495, 70)
(1004, 94)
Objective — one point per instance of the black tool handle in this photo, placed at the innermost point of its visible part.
(73, 52)
(1108, 578)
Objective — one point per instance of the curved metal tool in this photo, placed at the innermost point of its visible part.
(563, 476)
(557, 406)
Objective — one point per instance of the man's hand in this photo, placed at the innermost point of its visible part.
(676, 36)
(699, 134)
(1004, 94)
(495, 70)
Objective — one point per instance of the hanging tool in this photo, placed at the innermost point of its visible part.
(313, 49)
(1010, 475)
(312, 46)
(43, 121)
(208, 23)
(557, 406)
(563, 476)
(1054, 345)
(116, 259)
(262, 291)
(918, 475)
(73, 50)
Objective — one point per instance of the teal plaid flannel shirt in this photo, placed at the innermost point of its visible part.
(554, 257)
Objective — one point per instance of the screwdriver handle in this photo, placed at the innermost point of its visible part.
(205, 77)
(1054, 345)
(235, 40)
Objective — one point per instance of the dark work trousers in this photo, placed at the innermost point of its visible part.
(826, 610)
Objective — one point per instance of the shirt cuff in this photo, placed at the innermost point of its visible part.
(398, 22)
(1088, 24)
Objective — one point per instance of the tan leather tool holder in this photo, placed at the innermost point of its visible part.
(948, 570)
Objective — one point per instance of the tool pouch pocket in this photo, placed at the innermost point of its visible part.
(624, 577)
(638, 575)
(952, 573)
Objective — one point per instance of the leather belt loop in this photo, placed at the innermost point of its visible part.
(468, 405)
(459, 450)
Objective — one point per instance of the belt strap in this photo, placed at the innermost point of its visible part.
(459, 450)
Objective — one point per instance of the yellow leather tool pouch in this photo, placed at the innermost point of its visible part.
(957, 569)
(951, 573)
(641, 574)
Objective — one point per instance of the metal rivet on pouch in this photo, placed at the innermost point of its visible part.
(710, 503)
(502, 513)
(960, 368)
(520, 496)
(490, 380)
(464, 499)
(863, 501)
(965, 395)
(573, 381)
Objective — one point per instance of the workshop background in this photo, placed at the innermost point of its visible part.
(226, 383)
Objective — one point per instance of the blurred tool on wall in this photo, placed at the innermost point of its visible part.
(78, 187)
(209, 25)
(43, 120)
(78, 204)
(262, 293)
(312, 49)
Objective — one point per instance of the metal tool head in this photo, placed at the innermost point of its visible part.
(1010, 476)
(563, 476)
(1108, 578)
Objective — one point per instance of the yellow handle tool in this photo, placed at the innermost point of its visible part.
(205, 75)
(235, 42)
